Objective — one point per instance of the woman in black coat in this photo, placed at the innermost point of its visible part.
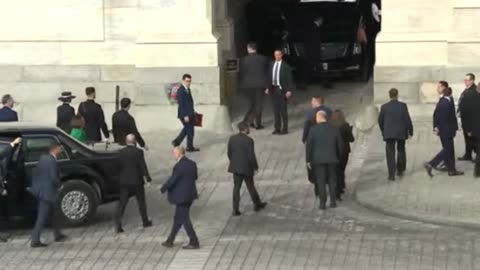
(338, 120)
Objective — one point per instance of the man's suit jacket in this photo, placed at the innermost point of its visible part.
(65, 113)
(286, 77)
(181, 185)
(46, 180)
(394, 121)
(444, 118)
(94, 118)
(466, 107)
(8, 115)
(253, 71)
(133, 167)
(122, 125)
(310, 121)
(185, 103)
(324, 144)
(475, 114)
(241, 153)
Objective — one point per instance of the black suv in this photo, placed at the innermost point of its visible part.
(89, 178)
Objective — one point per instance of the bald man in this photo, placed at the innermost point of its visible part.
(133, 174)
(324, 143)
(182, 191)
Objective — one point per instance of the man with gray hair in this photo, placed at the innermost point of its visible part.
(133, 172)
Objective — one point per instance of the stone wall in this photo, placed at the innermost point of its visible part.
(423, 42)
(51, 46)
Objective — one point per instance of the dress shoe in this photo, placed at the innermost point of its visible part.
(147, 224)
(333, 205)
(252, 125)
(339, 197)
(391, 178)
(167, 244)
(236, 213)
(259, 127)
(322, 206)
(119, 230)
(455, 173)
(465, 158)
(260, 206)
(37, 244)
(276, 132)
(192, 246)
(61, 237)
(193, 149)
(428, 169)
(400, 174)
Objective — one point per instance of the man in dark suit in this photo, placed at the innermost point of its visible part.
(45, 185)
(475, 132)
(243, 165)
(324, 145)
(65, 112)
(5, 155)
(445, 126)
(123, 124)
(182, 191)
(396, 126)
(133, 172)
(186, 114)
(7, 114)
(253, 81)
(317, 105)
(94, 117)
(465, 107)
(281, 87)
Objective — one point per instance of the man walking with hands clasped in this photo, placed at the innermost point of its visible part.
(243, 165)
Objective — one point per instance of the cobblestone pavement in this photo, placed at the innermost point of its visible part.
(442, 199)
(291, 233)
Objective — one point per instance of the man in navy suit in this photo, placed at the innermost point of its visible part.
(186, 114)
(7, 114)
(182, 191)
(445, 125)
(45, 185)
(317, 105)
(396, 127)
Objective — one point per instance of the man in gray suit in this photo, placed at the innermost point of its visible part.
(253, 81)
(324, 144)
(396, 126)
(45, 185)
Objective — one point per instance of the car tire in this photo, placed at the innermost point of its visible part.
(77, 203)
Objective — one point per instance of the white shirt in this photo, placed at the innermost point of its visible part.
(186, 88)
(276, 77)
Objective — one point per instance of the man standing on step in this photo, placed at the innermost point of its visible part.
(475, 133)
(253, 81)
(243, 165)
(465, 107)
(445, 126)
(396, 127)
(281, 87)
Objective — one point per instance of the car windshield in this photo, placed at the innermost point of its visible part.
(324, 22)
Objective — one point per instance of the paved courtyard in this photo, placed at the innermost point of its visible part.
(291, 233)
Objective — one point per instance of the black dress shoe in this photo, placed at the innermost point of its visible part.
(193, 149)
(147, 224)
(252, 125)
(333, 205)
(322, 206)
(37, 244)
(259, 127)
(391, 178)
(60, 238)
(428, 169)
(167, 244)
(192, 246)
(276, 132)
(339, 197)
(465, 158)
(400, 173)
(236, 213)
(119, 230)
(260, 206)
(455, 173)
